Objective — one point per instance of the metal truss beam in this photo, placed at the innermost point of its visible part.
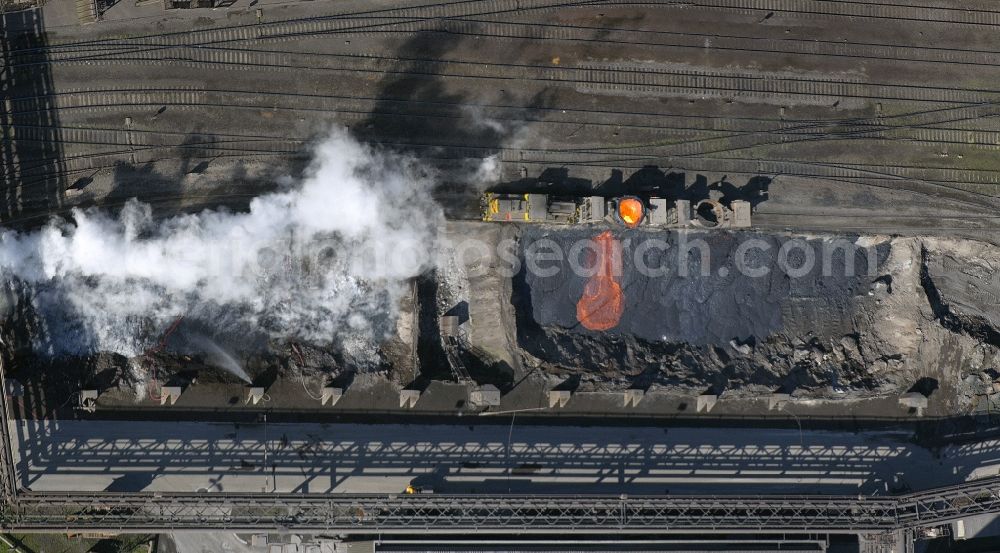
(145, 512)
(8, 475)
(443, 513)
(139, 512)
(26, 511)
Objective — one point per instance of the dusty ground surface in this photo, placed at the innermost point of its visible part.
(857, 122)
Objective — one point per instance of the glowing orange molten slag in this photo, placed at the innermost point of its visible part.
(601, 305)
(630, 210)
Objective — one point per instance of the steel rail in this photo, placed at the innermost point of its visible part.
(536, 31)
(202, 97)
(603, 77)
(434, 12)
(645, 120)
(466, 8)
(952, 184)
(918, 127)
(866, 9)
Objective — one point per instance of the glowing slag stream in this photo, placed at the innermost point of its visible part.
(602, 303)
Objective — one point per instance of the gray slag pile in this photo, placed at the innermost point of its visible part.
(705, 308)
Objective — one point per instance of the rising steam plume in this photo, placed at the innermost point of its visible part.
(324, 259)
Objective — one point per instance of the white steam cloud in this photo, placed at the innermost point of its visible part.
(324, 260)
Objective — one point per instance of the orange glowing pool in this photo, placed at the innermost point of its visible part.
(602, 303)
(630, 210)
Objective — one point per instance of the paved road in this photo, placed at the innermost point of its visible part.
(131, 456)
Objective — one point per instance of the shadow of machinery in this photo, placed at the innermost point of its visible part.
(167, 191)
(34, 176)
(650, 180)
(440, 120)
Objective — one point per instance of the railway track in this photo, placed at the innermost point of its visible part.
(938, 177)
(415, 15)
(39, 212)
(698, 144)
(703, 151)
(984, 226)
(874, 131)
(626, 157)
(605, 79)
(924, 125)
(690, 154)
(745, 133)
(951, 180)
(331, 23)
(955, 185)
(628, 79)
(177, 95)
(536, 31)
(867, 9)
(977, 189)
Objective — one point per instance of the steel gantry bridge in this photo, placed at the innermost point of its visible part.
(28, 511)
(352, 513)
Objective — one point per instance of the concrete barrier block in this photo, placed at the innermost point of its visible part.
(331, 394)
(633, 396)
(485, 396)
(408, 398)
(777, 401)
(559, 398)
(254, 395)
(706, 402)
(169, 395)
